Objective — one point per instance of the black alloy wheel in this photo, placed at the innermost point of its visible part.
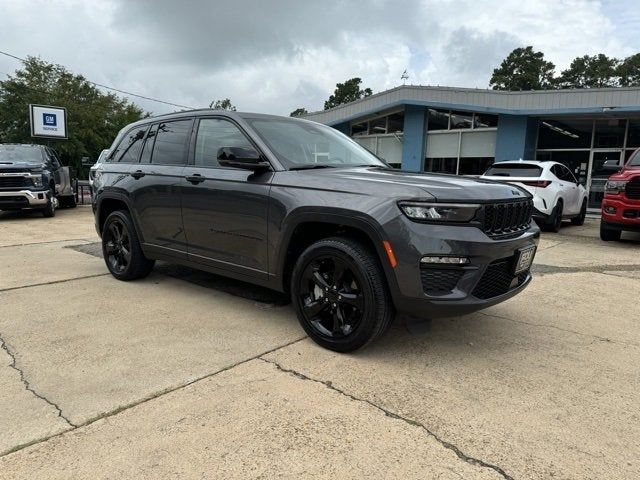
(118, 246)
(339, 291)
(121, 248)
(332, 298)
(579, 220)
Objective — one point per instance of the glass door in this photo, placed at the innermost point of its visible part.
(599, 171)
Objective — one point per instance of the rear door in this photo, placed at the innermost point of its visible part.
(569, 189)
(155, 187)
(225, 209)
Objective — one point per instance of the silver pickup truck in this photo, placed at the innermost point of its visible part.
(32, 177)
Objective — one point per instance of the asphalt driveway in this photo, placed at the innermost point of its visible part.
(188, 375)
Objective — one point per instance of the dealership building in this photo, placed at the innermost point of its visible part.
(462, 131)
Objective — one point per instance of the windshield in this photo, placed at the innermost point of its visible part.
(20, 153)
(634, 161)
(514, 170)
(300, 144)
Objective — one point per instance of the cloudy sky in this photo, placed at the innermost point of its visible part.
(276, 55)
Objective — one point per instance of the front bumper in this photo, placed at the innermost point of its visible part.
(11, 200)
(443, 290)
(621, 212)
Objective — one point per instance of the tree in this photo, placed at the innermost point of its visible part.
(590, 72)
(298, 112)
(346, 92)
(629, 71)
(93, 117)
(523, 69)
(222, 105)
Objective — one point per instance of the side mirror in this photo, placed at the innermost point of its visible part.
(241, 157)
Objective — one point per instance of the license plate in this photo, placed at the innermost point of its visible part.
(524, 259)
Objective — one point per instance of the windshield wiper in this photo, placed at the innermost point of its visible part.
(311, 166)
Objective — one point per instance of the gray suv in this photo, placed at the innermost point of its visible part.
(298, 207)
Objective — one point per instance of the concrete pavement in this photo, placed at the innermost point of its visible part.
(188, 375)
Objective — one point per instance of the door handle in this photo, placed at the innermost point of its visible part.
(137, 174)
(195, 178)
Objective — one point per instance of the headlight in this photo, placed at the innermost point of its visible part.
(440, 212)
(37, 180)
(615, 186)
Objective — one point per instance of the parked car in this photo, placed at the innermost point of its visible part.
(32, 177)
(557, 195)
(621, 204)
(95, 166)
(296, 206)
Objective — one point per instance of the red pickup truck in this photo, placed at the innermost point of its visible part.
(621, 203)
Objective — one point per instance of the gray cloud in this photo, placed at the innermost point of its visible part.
(275, 56)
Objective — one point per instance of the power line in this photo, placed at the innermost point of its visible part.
(112, 88)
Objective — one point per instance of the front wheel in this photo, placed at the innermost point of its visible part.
(121, 249)
(52, 203)
(608, 234)
(579, 220)
(339, 292)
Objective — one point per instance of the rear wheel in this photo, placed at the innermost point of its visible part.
(340, 296)
(579, 220)
(121, 249)
(608, 233)
(554, 222)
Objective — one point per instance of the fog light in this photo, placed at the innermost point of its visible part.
(432, 259)
(610, 209)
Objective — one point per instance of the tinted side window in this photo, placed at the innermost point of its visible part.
(213, 134)
(148, 144)
(129, 148)
(567, 175)
(170, 147)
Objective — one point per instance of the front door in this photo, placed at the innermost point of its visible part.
(224, 210)
(598, 175)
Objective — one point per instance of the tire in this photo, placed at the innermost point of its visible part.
(579, 220)
(69, 201)
(121, 248)
(554, 222)
(341, 311)
(609, 234)
(50, 210)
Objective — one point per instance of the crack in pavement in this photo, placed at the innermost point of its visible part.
(566, 330)
(448, 445)
(53, 282)
(542, 269)
(47, 242)
(146, 399)
(26, 383)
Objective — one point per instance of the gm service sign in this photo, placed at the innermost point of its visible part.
(48, 122)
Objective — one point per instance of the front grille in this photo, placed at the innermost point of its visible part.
(632, 189)
(15, 182)
(497, 279)
(439, 281)
(508, 218)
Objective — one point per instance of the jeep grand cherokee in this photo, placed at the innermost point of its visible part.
(299, 207)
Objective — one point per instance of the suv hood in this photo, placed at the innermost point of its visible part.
(406, 185)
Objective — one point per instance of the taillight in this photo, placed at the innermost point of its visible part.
(539, 183)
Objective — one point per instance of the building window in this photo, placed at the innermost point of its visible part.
(463, 152)
(461, 120)
(482, 120)
(568, 134)
(359, 129)
(441, 165)
(395, 123)
(609, 133)
(633, 136)
(378, 126)
(437, 119)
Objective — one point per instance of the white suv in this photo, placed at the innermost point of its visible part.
(557, 195)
